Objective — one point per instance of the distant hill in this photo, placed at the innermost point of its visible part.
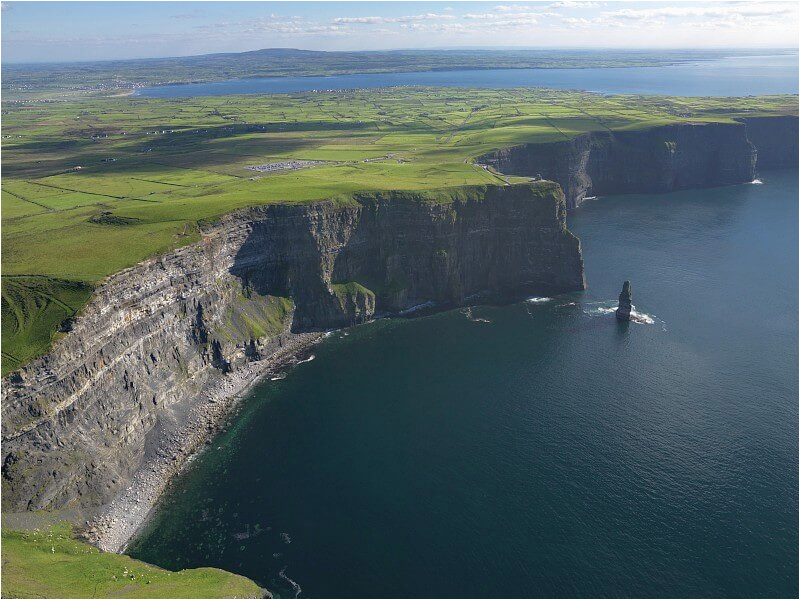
(32, 80)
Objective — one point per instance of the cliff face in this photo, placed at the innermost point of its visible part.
(660, 159)
(76, 423)
(775, 139)
(390, 251)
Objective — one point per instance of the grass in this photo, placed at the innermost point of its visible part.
(352, 290)
(34, 309)
(52, 564)
(152, 169)
(253, 317)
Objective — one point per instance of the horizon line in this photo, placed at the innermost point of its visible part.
(416, 49)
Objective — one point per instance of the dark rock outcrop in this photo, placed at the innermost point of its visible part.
(655, 160)
(389, 251)
(625, 302)
(77, 422)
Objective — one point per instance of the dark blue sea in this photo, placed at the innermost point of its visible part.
(539, 449)
(734, 76)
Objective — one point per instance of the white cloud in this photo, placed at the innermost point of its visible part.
(577, 22)
(512, 8)
(505, 19)
(753, 9)
(480, 16)
(571, 4)
(547, 23)
(407, 19)
(359, 20)
(687, 16)
(555, 5)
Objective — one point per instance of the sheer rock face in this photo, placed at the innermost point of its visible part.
(625, 302)
(660, 159)
(77, 422)
(776, 141)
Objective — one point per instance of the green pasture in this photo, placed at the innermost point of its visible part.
(52, 564)
(94, 185)
(34, 309)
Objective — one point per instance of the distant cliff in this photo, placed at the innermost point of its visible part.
(77, 422)
(659, 159)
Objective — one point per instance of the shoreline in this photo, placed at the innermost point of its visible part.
(118, 522)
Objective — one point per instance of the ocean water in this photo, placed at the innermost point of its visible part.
(538, 449)
(734, 76)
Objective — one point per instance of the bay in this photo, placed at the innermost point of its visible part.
(732, 76)
(538, 449)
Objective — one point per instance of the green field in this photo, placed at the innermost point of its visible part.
(34, 309)
(52, 564)
(152, 169)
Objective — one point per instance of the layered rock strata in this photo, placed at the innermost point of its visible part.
(79, 422)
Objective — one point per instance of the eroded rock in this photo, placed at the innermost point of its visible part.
(625, 302)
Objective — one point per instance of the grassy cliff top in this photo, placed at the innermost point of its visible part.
(520, 188)
(52, 564)
(93, 186)
(90, 187)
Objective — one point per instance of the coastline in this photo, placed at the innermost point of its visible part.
(112, 529)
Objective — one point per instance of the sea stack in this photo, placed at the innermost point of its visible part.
(625, 306)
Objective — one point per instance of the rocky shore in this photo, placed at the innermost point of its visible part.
(103, 416)
(120, 520)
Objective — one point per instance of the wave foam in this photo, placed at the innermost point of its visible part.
(467, 312)
(609, 307)
(295, 586)
(642, 318)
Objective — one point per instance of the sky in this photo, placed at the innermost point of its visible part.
(71, 31)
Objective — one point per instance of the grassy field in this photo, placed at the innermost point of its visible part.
(34, 309)
(52, 564)
(95, 185)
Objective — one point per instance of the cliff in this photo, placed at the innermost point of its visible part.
(660, 159)
(78, 422)
(775, 139)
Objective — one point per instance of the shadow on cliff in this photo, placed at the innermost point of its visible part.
(342, 263)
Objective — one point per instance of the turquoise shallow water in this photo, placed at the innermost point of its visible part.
(548, 452)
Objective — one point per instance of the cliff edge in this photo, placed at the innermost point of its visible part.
(79, 422)
(658, 159)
